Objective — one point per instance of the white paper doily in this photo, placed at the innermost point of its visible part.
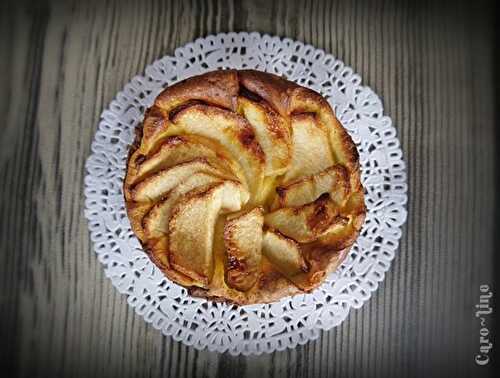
(258, 328)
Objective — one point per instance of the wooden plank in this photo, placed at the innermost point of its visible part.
(432, 66)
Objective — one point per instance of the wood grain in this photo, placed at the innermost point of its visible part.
(63, 62)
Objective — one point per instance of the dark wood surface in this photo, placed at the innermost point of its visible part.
(62, 63)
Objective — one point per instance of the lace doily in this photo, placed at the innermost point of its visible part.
(293, 320)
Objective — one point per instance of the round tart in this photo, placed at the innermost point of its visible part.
(244, 187)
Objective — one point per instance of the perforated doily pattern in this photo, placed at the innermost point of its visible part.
(257, 328)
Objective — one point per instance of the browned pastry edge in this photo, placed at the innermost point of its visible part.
(273, 286)
(286, 98)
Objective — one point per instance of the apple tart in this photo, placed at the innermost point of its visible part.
(243, 186)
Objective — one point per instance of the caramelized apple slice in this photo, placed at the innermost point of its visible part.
(338, 237)
(357, 207)
(343, 149)
(158, 252)
(243, 242)
(343, 234)
(191, 228)
(230, 130)
(272, 132)
(311, 148)
(305, 223)
(156, 221)
(333, 180)
(156, 186)
(175, 150)
(284, 254)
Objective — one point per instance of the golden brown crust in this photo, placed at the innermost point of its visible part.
(218, 88)
(155, 121)
(256, 110)
(273, 89)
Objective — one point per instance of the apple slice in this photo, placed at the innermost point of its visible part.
(191, 228)
(175, 150)
(284, 254)
(305, 223)
(156, 186)
(272, 132)
(243, 242)
(338, 237)
(158, 252)
(342, 235)
(155, 223)
(333, 180)
(311, 148)
(230, 130)
(303, 100)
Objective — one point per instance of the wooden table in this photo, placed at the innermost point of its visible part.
(62, 63)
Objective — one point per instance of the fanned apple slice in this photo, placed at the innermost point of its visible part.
(285, 255)
(343, 149)
(175, 150)
(311, 148)
(156, 186)
(156, 221)
(230, 130)
(343, 234)
(333, 180)
(191, 228)
(158, 252)
(273, 134)
(305, 223)
(337, 237)
(243, 242)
